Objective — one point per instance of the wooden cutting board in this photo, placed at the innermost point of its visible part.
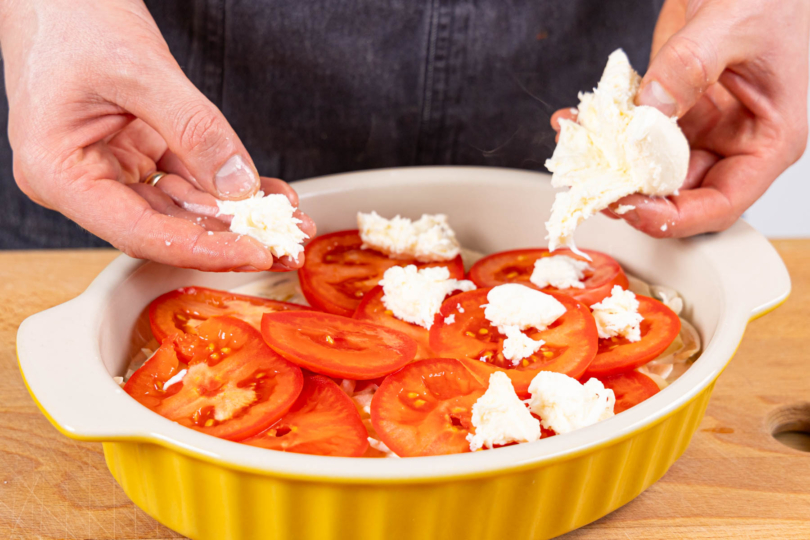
(734, 481)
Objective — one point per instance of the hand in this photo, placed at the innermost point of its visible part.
(735, 73)
(96, 104)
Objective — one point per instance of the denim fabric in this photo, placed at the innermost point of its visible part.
(324, 86)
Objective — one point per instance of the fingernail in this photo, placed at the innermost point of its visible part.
(236, 178)
(246, 268)
(655, 95)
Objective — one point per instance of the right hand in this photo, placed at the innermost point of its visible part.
(97, 103)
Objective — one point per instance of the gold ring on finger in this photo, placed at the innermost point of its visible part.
(154, 178)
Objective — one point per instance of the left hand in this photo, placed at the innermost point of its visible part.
(735, 74)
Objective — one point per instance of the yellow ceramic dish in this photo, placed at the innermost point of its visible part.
(208, 488)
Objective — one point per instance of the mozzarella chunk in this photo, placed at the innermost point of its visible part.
(560, 272)
(564, 404)
(614, 149)
(427, 239)
(517, 305)
(415, 296)
(617, 315)
(270, 220)
(499, 417)
(518, 345)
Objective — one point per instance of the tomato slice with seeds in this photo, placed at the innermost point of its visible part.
(517, 266)
(337, 346)
(630, 388)
(183, 310)
(337, 272)
(372, 309)
(323, 421)
(659, 328)
(570, 342)
(425, 409)
(234, 387)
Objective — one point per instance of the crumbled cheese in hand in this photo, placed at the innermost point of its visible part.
(499, 417)
(416, 296)
(518, 345)
(269, 220)
(428, 239)
(517, 305)
(559, 271)
(614, 149)
(564, 404)
(617, 315)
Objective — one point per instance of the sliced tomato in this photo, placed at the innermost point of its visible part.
(337, 346)
(570, 342)
(372, 309)
(323, 421)
(630, 388)
(659, 328)
(425, 409)
(517, 267)
(183, 310)
(337, 272)
(235, 386)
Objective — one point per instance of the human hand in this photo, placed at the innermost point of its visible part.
(96, 104)
(735, 74)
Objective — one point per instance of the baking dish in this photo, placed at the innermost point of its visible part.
(207, 488)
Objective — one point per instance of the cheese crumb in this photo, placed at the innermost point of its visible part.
(622, 209)
(614, 149)
(499, 417)
(428, 239)
(564, 404)
(517, 305)
(518, 345)
(560, 272)
(416, 296)
(450, 319)
(617, 315)
(270, 220)
(664, 227)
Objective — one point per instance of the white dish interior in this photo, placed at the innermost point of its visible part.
(68, 354)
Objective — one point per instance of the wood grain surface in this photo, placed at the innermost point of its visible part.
(734, 481)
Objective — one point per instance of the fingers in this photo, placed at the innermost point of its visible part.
(164, 204)
(194, 129)
(690, 61)
(562, 114)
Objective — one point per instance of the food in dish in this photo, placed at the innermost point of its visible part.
(427, 363)
(613, 149)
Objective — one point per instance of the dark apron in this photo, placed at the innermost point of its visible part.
(316, 87)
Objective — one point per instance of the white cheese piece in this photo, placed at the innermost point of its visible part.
(427, 239)
(175, 379)
(622, 209)
(617, 315)
(415, 296)
(517, 305)
(564, 404)
(450, 319)
(560, 272)
(499, 417)
(614, 149)
(518, 345)
(269, 220)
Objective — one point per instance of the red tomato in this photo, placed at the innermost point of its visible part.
(337, 346)
(571, 341)
(235, 386)
(425, 408)
(183, 310)
(323, 421)
(517, 267)
(372, 309)
(337, 272)
(659, 328)
(630, 388)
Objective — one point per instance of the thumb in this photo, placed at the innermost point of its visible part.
(688, 63)
(195, 131)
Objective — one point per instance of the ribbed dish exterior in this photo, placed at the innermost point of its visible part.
(208, 501)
